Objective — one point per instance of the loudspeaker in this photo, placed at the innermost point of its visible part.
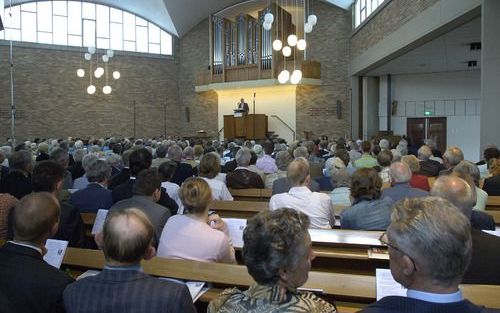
(187, 113)
(339, 109)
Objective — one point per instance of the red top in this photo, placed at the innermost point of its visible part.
(420, 182)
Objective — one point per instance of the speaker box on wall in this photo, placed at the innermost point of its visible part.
(188, 115)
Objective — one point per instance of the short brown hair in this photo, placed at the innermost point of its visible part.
(384, 158)
(147, 182)
(366, 183)
(123, 243)
(366, 146)
(210, 165)
(34, 215)
(195, 194)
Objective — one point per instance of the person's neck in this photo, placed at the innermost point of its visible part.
(199, 217)
(113, 263)
(39, 244)
(431, 286)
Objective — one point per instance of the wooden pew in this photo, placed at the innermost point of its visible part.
(239, 209)
(355, 289)
(251, 194)
(493, 203)
(495, 215)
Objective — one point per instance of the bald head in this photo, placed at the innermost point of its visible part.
(127, 235)
(453, 156)
(298, 172)
(457, 191)
(36, 218)
(400, 172)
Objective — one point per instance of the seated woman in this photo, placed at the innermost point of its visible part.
(283, 159)
(196, 235)
(368, 211)
(279, 271)
(341, 182)
(492, 184)
(471, 169)
(209, 169)
(417, 180)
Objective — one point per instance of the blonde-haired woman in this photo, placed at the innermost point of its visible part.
(196, 235)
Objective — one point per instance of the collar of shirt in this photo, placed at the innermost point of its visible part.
(435, 297)
(134, 267)
(242, 168)
(27, 245)
(299, 189)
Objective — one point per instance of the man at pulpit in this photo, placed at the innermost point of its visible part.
(242, 105)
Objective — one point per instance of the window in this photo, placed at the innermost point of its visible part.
(83, 24)
(363, 9)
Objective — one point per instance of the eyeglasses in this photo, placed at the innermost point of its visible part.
(385, 241)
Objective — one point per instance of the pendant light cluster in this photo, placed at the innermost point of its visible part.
(99, 70)
(292, 41)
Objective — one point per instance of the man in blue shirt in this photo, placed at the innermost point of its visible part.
(400, 177)
(430, 248)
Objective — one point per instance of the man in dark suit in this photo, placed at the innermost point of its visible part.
(147, 191)
(428, 167)
(124, 175)
(242, 177)
(122, 286)
(28, 283)
(430, 247)
(95, 196)
(242, 105)
(140, 160)
(48, 176)
(483, 268)
(183, 170)
(400, 177)
(18, 181)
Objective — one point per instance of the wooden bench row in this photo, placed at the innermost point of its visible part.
(355, 290)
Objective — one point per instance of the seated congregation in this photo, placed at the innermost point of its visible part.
(160, 195)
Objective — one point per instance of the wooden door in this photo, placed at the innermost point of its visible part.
(416, 130)
(436, 130)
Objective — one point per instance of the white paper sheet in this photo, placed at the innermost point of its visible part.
(387, 286)
(495, 232)
(236, 227)
(99, 221)
(55, 252)
(196, 289)
(88, 273)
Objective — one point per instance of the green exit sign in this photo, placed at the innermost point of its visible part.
(428, 113)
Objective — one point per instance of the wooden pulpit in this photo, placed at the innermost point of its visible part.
(251, 126)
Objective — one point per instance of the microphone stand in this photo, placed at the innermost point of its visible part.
(254, 135)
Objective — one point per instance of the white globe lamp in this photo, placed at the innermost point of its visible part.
(292, 40)
(287, 51)
(312, 19)
(99, 72)
(301, 44)
(80, 72)
(110, 53)
(106, 90)
(277, 45)
(308, 28)
(91, 89)
(91, 49)
(269, 18)
(283, 77)
(296, 77)
(116, 75)
(87, 56)
(267, 26)
(105, 58)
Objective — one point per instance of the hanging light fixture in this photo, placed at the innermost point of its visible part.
(116, 75)
(80, 72)
(301, 44)
(283, 77)
(312, 19)
(292, 40)
(91, 89)
(277, 45)
(296, 77)
(106, 90)
(287, 51)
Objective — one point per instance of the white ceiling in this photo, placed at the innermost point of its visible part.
(447, 53)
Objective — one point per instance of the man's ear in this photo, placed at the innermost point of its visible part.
(59, 185)
(150, 253)
(99, 239)
(407, 265)
(54, 229)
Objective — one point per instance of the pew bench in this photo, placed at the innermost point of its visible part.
(251, 194)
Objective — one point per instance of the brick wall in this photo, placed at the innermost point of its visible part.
(202, 107)
(52, 101)
(328, 44)
(394, 15)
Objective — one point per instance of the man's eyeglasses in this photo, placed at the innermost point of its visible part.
(385, 241)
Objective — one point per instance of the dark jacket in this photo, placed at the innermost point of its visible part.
(16, 184)
(118, 291)
(122, 177)
(182, 172)
(484, 266)
(397, 304)
(430, 168)
(28, 284)
(282, 185)
(243, 179)
(76, 170)
(403, 190)
(125, 191)
(92, 198)
(492, 185)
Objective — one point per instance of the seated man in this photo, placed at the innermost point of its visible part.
(314, 204)
(428, 167)
(451, 158)
(366, 160)
(48, 176)
(183, 170)
(242, 177)
(147, 190)
(18, 181)
(95, 196)
(400, 177)
(126, 239)
(28, 283)
(430, 248)
(282, 185)
(483, 268)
